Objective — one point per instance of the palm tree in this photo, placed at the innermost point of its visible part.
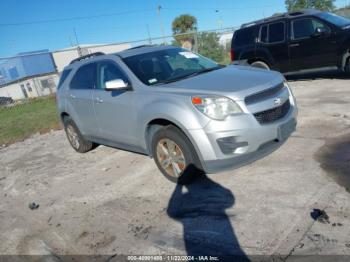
(184, 24)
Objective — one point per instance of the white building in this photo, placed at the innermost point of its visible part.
(65, 56)
(45, 84)
(225, 38)
(29, 87)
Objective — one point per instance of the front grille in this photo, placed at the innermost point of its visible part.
(273, 114)
(271, 92)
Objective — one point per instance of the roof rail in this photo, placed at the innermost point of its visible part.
(86, 57)
(269, 19)
(140, 46)
(275, 17)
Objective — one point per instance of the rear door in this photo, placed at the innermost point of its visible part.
(114, 111)
(308, 49)
(273, 39)
(79, 99)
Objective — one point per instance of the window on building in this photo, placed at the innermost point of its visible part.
(47, 83)
(29, 88)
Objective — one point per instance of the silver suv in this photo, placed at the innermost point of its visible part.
(189, 113)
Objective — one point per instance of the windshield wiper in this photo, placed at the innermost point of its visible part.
(206, 70)
(190, 75)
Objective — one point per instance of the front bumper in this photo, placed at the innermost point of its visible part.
(253, 140)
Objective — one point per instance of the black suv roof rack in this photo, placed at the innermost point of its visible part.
(276, 17)
(86, 57)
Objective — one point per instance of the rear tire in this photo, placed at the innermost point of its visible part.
(175, 155)
(75, 138)
(260, 64)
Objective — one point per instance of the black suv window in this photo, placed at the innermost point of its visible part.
(272, 33)
(276, 32)
(85, 77)
(107, 71)
(306, 27)
(244, 36)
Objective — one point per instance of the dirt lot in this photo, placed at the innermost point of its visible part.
(114, 202)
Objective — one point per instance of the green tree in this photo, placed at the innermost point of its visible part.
(209, 46)
(324, 5)
(184, 24)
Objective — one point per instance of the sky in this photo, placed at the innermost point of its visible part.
(29, 25)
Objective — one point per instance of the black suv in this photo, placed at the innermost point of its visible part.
(295, 41)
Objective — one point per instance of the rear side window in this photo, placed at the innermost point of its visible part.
(272, 33)
(85, 77)
(63, 77)
(276, 32)
(244, 36)
(263, 34)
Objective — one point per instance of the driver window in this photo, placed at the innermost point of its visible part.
(306, 27)
(109, 71)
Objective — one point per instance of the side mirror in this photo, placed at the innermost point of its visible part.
(116, 84)
(320, 31)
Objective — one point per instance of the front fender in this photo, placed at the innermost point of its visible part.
(178, 111)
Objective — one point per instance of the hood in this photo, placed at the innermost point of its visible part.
(234, 81)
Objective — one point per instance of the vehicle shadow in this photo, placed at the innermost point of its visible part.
(314, 75)
(200, 207)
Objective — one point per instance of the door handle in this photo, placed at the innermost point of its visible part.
(72, 96)
(294, 45)
(99, 100)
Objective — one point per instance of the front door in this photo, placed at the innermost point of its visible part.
(310, 49)
(113, 108)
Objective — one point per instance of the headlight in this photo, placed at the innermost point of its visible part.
(216, 107)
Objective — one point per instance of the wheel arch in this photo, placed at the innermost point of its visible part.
(155, 124)
(63, 115)
(345, 59)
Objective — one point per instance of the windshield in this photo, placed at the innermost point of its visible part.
(334, 19)
(168, 65)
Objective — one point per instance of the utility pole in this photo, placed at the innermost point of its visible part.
(77, 42)
(161, 23)
(220, 22)
(70, 41)
(149, 35)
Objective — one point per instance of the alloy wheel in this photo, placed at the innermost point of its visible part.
(171, 157)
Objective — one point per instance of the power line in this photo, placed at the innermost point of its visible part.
(73, 18)
(126, 13)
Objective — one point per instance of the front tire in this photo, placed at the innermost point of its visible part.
(175, 156)
(260, 64)
(75, 138)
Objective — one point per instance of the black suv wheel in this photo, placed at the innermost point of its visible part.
(175, 156)
(260, 64)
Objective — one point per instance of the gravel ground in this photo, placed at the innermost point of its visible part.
(111, 202)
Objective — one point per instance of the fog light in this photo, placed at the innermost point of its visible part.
(228, 145)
